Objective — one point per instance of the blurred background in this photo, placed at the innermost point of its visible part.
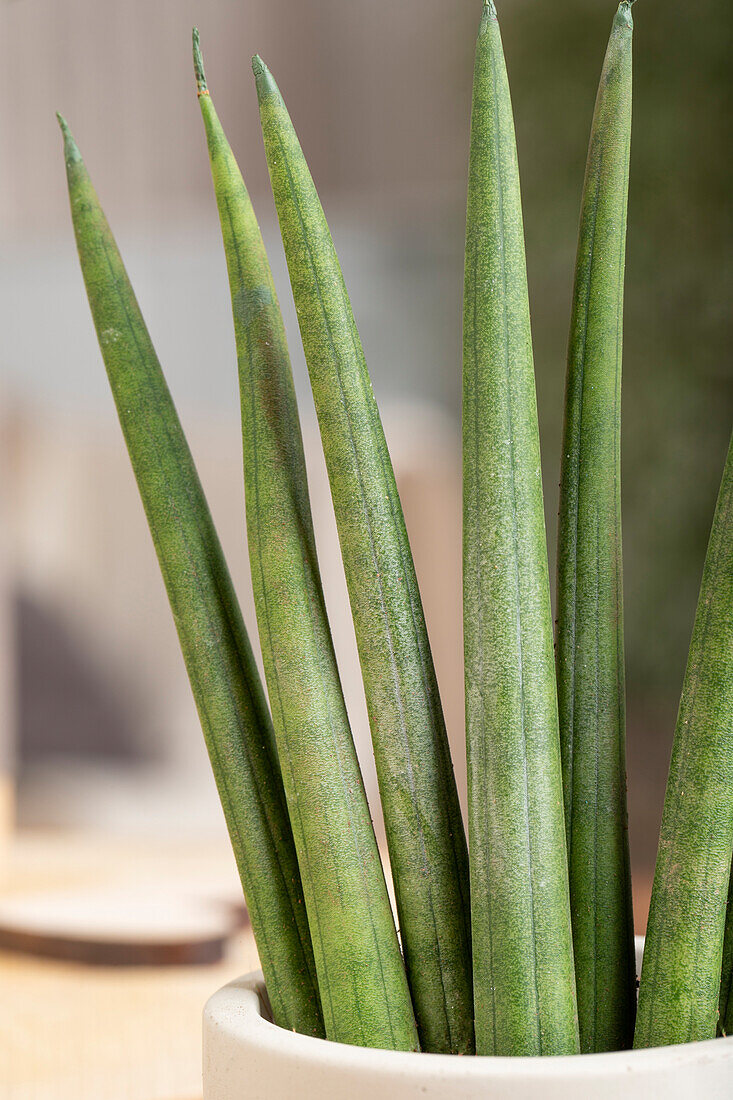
(98, 733)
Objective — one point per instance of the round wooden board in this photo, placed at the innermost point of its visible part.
(119, 928)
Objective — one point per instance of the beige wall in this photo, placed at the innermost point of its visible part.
(377, 110)
(7, 648)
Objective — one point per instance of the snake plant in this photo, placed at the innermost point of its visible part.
(590, 642)
(524, 983)
(214, 642)
(349, 915)
(427, 846)
(683, 962)
(520, 942)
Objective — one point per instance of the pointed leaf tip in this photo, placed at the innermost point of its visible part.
(71, 149)
(198, 64)
(488, 17)
(263, 78)
(624, 16)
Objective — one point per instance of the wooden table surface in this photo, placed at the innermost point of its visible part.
(76, 1032)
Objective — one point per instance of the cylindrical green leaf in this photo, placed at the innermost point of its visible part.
(680, 977)
(725, 1016)
(361, 976)
(524, 986)
(590, 644)
(424, 829)
(212, 635)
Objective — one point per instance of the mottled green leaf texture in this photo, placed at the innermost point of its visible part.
(725, 1018)
(424, 829)
(680, 979)
(218, 657)
(361, 976)
(590, 644)
(524, 984)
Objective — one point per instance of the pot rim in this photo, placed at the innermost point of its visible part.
(240, 1008)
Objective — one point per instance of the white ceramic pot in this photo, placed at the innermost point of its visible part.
(248, 1058)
